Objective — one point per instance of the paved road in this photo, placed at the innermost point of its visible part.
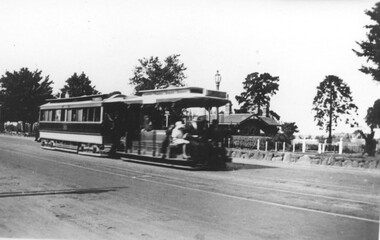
(50, 194)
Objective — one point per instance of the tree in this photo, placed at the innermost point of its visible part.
(152, 74)
(373, 121)
(333, 102)
(78, 86)
(258, 89)
(370, 47)
(288, 130)
(22, 93)
(373, 115)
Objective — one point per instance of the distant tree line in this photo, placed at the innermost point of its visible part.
(23, 91)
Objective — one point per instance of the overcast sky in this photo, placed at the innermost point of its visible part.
(301, 41)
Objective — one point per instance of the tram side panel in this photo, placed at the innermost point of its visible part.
(81, 132)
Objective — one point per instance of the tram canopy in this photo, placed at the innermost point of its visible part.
(185, 97)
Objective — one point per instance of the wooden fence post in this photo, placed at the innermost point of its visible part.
(304, 145)
(341, 146)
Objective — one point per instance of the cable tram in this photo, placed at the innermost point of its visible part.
(167, 134)
(153, 126)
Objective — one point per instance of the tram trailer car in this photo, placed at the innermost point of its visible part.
(78, 124)
(110, 125)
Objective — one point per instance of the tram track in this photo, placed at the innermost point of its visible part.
(215, 191)
(215, 185)
(252, 185)
(305, 182)
(246, 186)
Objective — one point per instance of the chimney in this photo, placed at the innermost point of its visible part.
(265, 110)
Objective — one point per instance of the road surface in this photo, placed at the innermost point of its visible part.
(51, 194)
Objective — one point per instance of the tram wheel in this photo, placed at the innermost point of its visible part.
(95, 149)
(81, 148)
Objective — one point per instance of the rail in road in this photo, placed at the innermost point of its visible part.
(321, 198)
(344, 196)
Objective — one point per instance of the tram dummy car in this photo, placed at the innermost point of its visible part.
(137, 127)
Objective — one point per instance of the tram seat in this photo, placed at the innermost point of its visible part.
(151, 141)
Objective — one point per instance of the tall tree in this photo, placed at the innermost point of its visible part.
(258, 90)
(22, 93)
(152, 74)
(78, 86)
(333, 102)
(370, 47)
(373, 121)
(373, 115)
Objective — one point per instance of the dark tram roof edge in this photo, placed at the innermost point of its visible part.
(83, 98)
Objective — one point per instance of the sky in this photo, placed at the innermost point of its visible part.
(300, 41)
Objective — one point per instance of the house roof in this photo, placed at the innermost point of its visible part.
(236, 118)
(239, 118)
(270, 121)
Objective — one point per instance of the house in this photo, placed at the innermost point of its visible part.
(251, 124)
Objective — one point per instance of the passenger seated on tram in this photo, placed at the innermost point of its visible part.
(178, 134)
(178, 137)
(197, 137)
(148, 126)
(214, 132)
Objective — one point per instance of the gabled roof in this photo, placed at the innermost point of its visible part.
(270, 121)
(239, 118)
(236, 118)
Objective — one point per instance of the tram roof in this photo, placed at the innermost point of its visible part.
(96, 97)
(83, 101)
(184, 96)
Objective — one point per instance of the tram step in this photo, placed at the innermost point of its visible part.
(160, 160)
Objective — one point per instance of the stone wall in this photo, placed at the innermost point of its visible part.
(326, 159)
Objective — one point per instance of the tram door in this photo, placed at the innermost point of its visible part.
(113, 123)
(132, 124)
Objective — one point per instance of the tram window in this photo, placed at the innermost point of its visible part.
(68, 117)
(90, 115)
(63, 114)
(43, 115)
(53, 112)
(85, 114)
(74, 115)
(79, 115)
(97, 114)
(58, 115)
(49, 116)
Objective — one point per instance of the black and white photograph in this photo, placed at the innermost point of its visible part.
(199, 120)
